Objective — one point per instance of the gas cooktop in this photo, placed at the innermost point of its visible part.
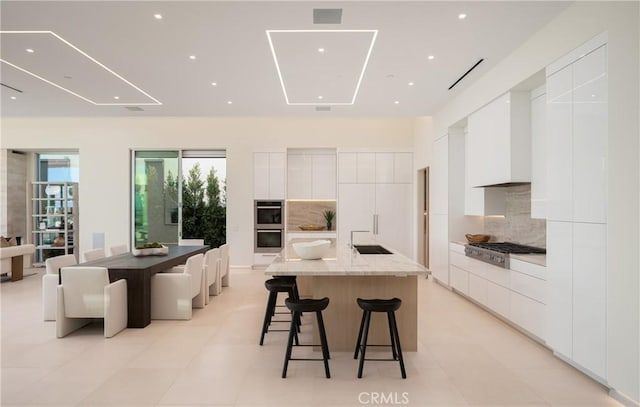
(507, 247)
(498, 253)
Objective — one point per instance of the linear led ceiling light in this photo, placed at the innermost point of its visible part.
(155, 102)
(316, 103)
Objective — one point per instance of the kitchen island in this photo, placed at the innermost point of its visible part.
(344, 275)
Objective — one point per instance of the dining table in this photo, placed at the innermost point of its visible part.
(138, 270)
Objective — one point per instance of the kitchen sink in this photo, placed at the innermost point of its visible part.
(371, 249)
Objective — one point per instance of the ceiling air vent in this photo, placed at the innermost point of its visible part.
(134, 108)
(323, 108)
(466, 73)
(327, 16)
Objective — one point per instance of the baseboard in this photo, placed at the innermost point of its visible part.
(240, 267)
(623, 399)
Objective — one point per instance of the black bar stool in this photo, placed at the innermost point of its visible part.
(275, 286)
(298, 306)
(295, 288)
(388, 306)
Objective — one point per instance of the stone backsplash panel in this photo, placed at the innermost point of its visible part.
(517, 225)
(308, 212)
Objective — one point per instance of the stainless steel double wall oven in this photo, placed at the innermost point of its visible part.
(269, 226)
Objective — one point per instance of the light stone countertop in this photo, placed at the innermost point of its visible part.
(341, 261)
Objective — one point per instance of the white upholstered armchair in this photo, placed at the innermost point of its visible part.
(85, 293)
(224, 264)
(51, 280)
(176, 292)
(94, 254)
(212, 273)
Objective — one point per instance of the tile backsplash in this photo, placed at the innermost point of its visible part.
(517, 225)
(308, 212)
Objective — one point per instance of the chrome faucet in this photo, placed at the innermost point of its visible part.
(356, 231)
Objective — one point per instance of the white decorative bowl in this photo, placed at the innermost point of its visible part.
(156, 251)
(312, 250)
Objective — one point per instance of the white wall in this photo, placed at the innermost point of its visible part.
(104, 145)
(577, 24)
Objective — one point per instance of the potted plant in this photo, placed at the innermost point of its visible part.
(329, 216)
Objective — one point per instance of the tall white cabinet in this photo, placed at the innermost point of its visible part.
(576, 147)
(375, 194)
(439, 215)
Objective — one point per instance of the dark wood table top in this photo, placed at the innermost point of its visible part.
(130, 262)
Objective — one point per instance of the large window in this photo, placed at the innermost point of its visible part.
(179, 194)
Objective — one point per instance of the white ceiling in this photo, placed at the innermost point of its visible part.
(103, 49)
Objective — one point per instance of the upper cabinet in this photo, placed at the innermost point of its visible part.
(269, 175)
(577, 138)
(375, 168)
(538, 153)
(480, 201)
(499, 140)
(311, 175)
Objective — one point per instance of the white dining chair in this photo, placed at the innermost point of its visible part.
(175, 293)
(224, 264)
(118, 249)
(190, 242)
(50, 281)
(213, 285)
(94, 254)
(85, 294)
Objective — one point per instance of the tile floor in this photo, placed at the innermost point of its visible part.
(465, 357)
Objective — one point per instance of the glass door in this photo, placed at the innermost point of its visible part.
(179, 194)
(155, 197)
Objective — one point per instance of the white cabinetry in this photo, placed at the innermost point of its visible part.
(576, 205)
(311, 176)
(269, 175)
(375, 193)
(298, 176)
(517, 294)
(538, 153)
(323, 176)
(356, 206)
(499, 141)
(577, 140)
(589, 296)
(439, 204)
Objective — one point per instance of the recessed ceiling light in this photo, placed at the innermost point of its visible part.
(214, 83)
(116, 97)
(430, 57)
(462, 16)
(13, 98)
(397, 102)
(320, 97)
(229, 102)
(157, 16)
(410, 83)
(593, 95)
(30, 50)
(192, 57)
(321, 50)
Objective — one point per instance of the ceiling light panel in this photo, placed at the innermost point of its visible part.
(336, 74)
(57, 59)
